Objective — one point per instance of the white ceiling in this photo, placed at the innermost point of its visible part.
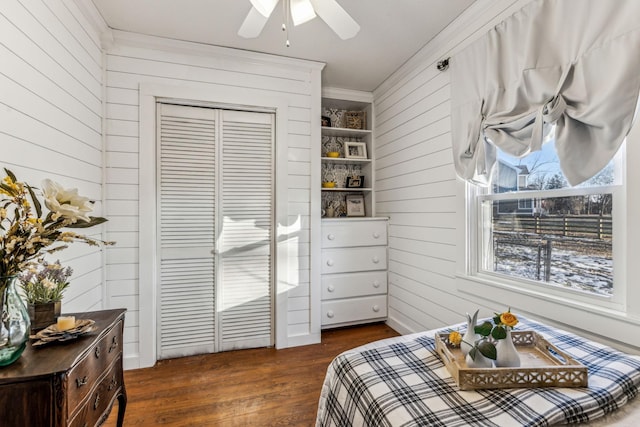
(391, 32)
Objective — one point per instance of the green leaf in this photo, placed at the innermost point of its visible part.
(484, 329)
(11, 175)
(95, 220)
(472, 353)
(36, 202)
(499, 333)
(6, 188)
(487, 349)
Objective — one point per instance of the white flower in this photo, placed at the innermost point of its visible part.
(48, 284)
(65, 203)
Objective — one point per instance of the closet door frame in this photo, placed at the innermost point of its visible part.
(149, 95)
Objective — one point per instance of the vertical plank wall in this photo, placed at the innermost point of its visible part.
(51, 117)
(135, 60)
(415, 178)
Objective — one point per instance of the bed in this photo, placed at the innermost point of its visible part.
(402, 382)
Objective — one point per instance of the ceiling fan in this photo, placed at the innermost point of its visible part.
(301, 11)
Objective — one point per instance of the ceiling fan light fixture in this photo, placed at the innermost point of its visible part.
(301, 11)
(265, 7)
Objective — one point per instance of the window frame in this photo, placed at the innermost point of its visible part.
(474, 198)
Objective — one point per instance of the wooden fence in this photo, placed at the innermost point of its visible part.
(581, 226)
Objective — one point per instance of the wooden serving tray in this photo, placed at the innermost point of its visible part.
(541, 365)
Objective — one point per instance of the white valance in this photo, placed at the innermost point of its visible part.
(572, 63)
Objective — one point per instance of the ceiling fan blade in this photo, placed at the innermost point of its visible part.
(252, 25)
(336, 18)
(265, 7)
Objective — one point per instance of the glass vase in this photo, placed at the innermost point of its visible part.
(507, 355)
(14, 321)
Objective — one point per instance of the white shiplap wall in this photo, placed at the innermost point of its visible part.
(139, 67)
(417, 188)
(51, 117)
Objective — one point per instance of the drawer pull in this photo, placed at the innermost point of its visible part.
(375, 259)
(81, 381)
(96, 402)
(113, 383)
(330, 314)
(330, 288)
(376, 235)
(114, 344)
(331, 236)
(97, 352)
(376, 308)
(376, 283)
(330, 262)
(86, 424)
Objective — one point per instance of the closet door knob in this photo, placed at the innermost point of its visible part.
(330, 288)
(331, 237)
(375, 259)
(330, 262)
(376, 235)
(330, 314)
(376, 308)
(376, 283)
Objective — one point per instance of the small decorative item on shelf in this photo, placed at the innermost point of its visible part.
(43, 288)
(355, 119)
(355, 181)
(27, 234)
(355, 205)
(333, 154)
(507, 353)
(326, 121)
(328, 184)
(355, 150)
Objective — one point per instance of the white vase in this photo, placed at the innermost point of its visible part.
(507, 355)
(470, 337)
(479, 362)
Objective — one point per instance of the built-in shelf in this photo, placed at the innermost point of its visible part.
(345, 132)
(355, 189)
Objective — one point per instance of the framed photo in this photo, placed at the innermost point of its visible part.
(355, 205)
(355, 181)
(326, 122)
(355, 150)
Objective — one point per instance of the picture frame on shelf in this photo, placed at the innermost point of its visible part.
(355, 205)
(356, 181)
(326, 122)
(355, 150)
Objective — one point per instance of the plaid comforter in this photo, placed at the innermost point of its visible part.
(402, 382)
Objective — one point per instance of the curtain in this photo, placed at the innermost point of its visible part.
(568, 69)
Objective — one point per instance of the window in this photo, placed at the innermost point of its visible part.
(536, 230)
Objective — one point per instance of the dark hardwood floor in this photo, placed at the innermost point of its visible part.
(257, 387)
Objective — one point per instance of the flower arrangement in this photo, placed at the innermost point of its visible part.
(27, 233)
(46, 284)
(502, 321)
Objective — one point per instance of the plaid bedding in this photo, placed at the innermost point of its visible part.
(402, 382)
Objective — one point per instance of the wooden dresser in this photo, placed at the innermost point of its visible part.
(74, 383)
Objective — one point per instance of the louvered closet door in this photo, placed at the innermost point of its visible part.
(187, 182)
(245, 264)
(215, 176)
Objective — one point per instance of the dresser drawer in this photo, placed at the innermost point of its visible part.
(100, 399)
(354, 233)
(354, 309)
(349, 285)
(344, 260)
(84, 375)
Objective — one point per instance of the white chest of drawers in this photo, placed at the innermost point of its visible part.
(354, 271)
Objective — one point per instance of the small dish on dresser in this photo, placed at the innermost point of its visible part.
(51, 333)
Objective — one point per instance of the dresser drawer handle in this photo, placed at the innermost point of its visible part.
(330, 263)
(97, 352)
(86, 424)
(81, 381)
(330, 288)
(376, 235)
(330, 314)
(113, 383)
(114, 344)
(375, 259)
(376, 283)
(376, 308)
(331, 236)
(96, 402)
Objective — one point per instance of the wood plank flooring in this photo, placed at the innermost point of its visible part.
(257, 387)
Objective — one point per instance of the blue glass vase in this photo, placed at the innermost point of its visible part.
(14, 322)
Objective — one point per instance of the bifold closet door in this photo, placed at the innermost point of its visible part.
(215, 179)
